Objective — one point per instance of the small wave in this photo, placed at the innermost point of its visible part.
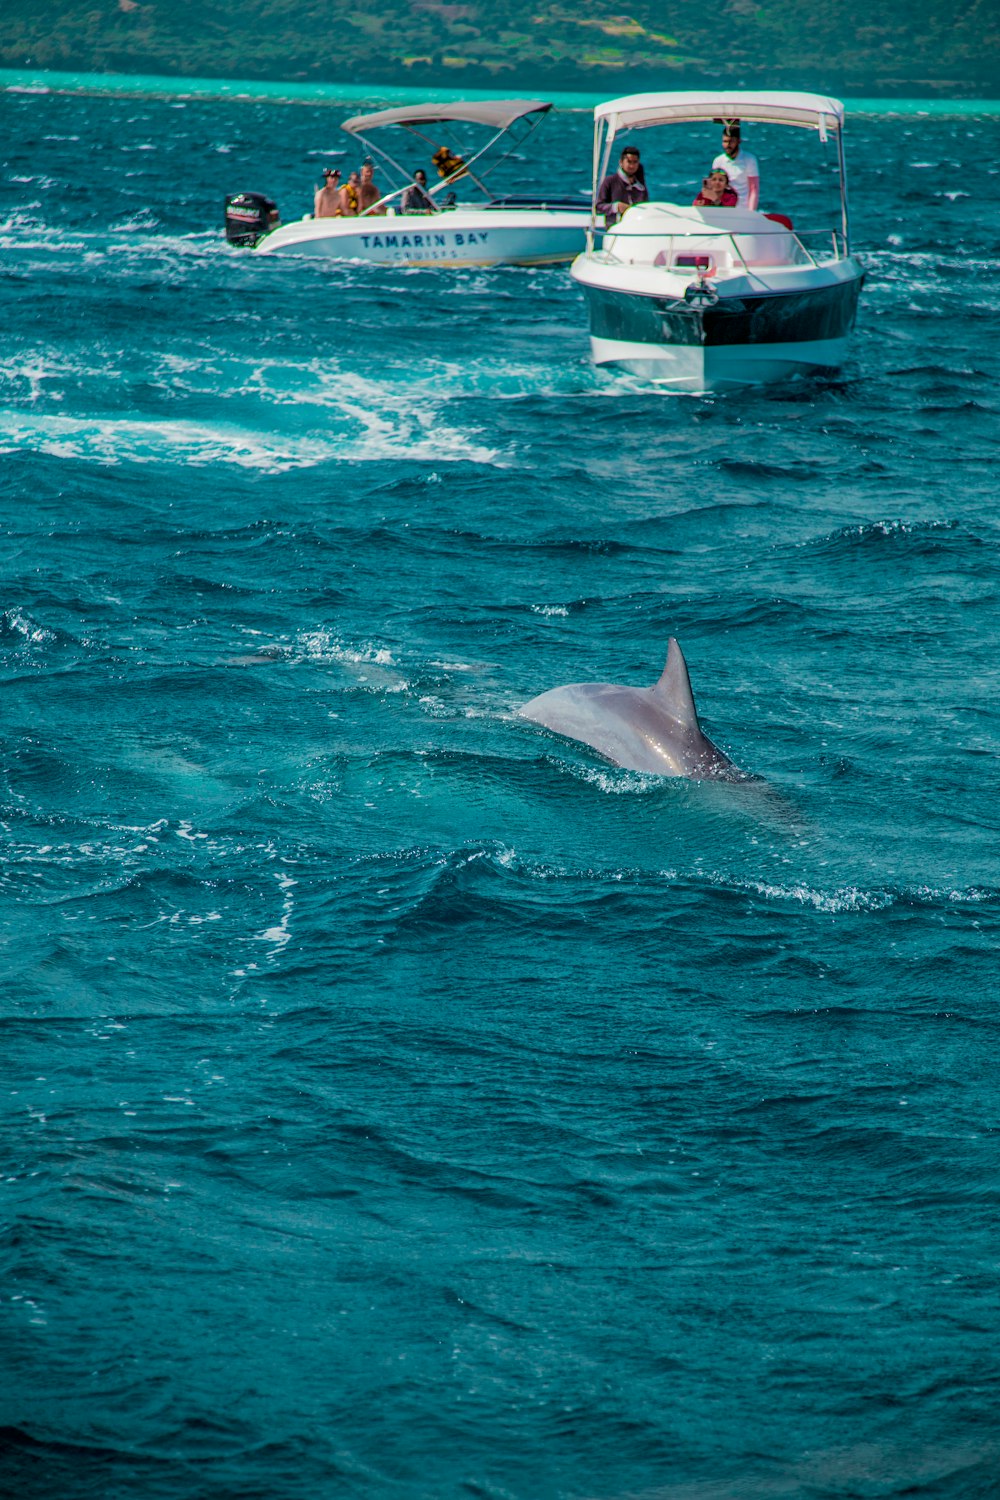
(439, 870)
(896, 536)
(17, 625)
(756, 469)
(853, 898)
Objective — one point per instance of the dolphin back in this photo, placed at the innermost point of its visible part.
(642, 729)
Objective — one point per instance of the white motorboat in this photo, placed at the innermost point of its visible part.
(466, 226)
(712, 298)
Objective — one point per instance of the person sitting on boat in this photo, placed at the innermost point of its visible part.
(367, 191)
(716, 191)
(621, 189)
(744, 173)
(416, 199)
(350, 197)
(326, 204)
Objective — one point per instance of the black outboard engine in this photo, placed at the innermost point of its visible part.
(249, 216)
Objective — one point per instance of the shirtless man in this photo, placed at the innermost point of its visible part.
(367, 191)
(326, 204)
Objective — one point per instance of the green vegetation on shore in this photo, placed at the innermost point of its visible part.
(922, 47)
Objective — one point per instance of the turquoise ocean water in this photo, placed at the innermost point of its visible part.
(396, 1100)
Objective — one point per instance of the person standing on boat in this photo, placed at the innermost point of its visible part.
(368, 193)
(326, 204)
(744, 173)
(621, 189)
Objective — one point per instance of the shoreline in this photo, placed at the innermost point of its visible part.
(252, 91)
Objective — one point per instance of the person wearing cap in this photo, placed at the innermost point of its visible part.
(621, 189)
(416, 199)
(326, 204)
(744, 173)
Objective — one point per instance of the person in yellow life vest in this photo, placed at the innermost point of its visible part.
(350, 198)
(447, 164)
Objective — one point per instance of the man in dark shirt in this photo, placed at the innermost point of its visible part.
(416, 199)
(621, 189)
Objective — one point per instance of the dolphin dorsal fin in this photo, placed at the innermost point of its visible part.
(674, 688)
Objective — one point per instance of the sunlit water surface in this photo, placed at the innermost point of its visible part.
(397, 1100)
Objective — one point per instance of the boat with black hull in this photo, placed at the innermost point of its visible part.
(713, 298)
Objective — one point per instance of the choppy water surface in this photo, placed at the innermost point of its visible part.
(399, 1101)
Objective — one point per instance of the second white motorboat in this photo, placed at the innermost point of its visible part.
(712, 298)
(478, 230)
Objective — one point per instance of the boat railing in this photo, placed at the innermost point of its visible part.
(829, 244)
(389, 203)
(579, 203)
(710, 252)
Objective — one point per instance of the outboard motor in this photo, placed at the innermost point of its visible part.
(249, 216)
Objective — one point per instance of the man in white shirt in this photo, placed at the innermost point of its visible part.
(744, 173)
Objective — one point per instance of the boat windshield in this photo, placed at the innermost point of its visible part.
(799, 183)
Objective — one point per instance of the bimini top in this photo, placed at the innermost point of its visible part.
(498, 113)
(636, 111)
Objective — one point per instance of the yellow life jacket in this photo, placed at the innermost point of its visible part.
(447, 164)
(352, 199)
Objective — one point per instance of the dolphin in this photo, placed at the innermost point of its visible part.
(643, 729)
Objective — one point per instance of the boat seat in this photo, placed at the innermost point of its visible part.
(780, 219)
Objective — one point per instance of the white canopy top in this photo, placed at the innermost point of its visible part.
(637, 111)
(498, 113)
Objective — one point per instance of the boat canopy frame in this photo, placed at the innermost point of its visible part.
(503, 115)
(816, 112)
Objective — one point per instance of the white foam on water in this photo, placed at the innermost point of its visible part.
(22, 624)
(372, 666)
(852, 898)
(392, 418)
(615, 781)
(320, 645)
(114, 440)
(119, 440)
(378, 419)
(844, 899)
(40, 368)
(280, 935)
(138, 223)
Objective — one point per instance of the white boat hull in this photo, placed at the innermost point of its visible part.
(711, 300)
(455, 237)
